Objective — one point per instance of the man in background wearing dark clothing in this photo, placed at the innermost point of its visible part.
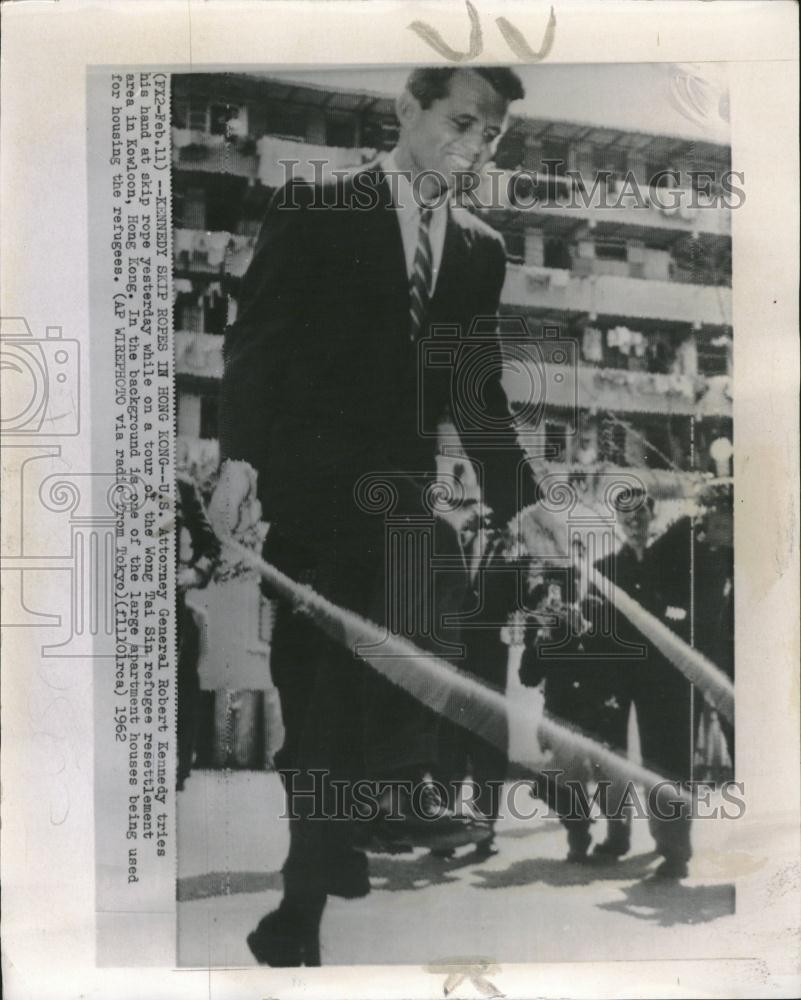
(695, 562)
(566, 647)
(661, 694)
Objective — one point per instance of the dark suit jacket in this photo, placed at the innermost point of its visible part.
(321, 377)
(702, 587)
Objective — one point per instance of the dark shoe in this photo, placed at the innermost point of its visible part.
(578, 844)
(443, 852)
(370, 837)
(277, 943)
(671, 870)
(486, 849)
(349, 877)
(423, 820)
(615, 846)
(379, 843)
(483, 850)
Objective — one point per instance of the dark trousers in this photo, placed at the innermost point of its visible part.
(662, 698)
(596, 698)
(318, 683)
(343, 719)
(188, 687)
(463, 752)
(578, 695)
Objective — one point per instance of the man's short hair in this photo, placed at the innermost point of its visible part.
(429, 84)
(716, 496)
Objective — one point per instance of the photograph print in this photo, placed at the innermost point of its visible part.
(453, 354)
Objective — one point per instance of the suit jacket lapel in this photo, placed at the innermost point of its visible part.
(381, 258)
(379, 246)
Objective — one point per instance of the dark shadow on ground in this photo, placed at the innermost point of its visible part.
(667, 903)
(554, 871)
(519, 832)
(226, 884)
(403, 873)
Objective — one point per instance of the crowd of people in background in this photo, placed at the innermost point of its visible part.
(591, 664)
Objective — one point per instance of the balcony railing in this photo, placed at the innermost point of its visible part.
(272, 150)
(682, 209)
(260, 158)
(587, 388)
(613, 295)
(211, 252)
(592, 481)
(198, 354)
(195, 150)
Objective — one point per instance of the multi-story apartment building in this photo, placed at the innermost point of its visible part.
(640, 281)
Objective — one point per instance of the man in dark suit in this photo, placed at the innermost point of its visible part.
(662, 695)
(323, 395)
(695, 561)
(566, 649)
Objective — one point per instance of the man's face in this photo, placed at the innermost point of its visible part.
(719, 529)
(456, 134)
(636, 525)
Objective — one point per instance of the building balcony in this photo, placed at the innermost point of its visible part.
(198, 355)
(196, 150)
(589, 388)
(260, 159)
(680, 211)
(197, 457)
(592, 480)
(205, 253)
(556, 289)
(272, 150)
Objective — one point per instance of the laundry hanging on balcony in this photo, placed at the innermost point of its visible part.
(592, 348)
(627, 341)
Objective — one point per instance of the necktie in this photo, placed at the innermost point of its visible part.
(420, 281)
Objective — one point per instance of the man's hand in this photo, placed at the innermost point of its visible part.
(476, 517)
(551, 616)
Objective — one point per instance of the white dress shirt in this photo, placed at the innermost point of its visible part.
(409, 219)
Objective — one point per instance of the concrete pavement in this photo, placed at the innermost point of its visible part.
(524, 905)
